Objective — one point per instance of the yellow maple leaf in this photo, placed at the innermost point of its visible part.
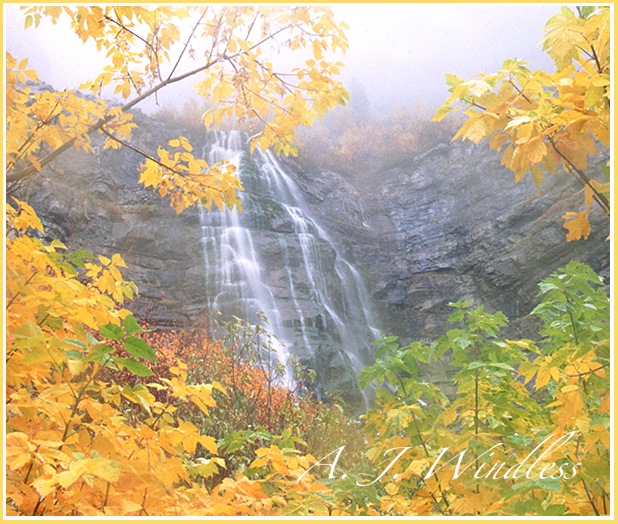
(536, 150)
(477, 130)
(577, 224)
(469, 504)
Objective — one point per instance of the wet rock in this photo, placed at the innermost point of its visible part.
(454, 226)
(450, 226)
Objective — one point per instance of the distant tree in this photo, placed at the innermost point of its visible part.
(359, 102)
(546, 120)
(146, 53)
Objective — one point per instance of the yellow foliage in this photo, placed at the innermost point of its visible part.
(72, 446)
(237, 76)
(547, 119)
(577, 224)
(79, 444)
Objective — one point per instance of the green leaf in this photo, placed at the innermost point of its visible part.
(501, 365)
(139, 348)
(442, 345)
(364, 380)
(463, 342)
(547, 286)
(68, 268)
(75, 260)
(91, 340)
(586, 11)
(461, 304)
(83, 254)
(458, 315)
(135, 367)
(131, 326)
(98, 353)
(74, 342)
(410, 361)
(74, 354)
(548, 484)
(111, 331)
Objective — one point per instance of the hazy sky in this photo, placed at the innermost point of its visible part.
(398, 52)
(401, 51)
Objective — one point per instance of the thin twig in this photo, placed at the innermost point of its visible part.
(145, 155)
(23, 173)
(599, 197)
(420, 436)
(187, 42)
(123, 27)
(596, 511)
(588, 372)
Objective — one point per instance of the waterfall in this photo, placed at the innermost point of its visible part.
(275, 258)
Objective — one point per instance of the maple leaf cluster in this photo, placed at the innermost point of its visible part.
(547, 120)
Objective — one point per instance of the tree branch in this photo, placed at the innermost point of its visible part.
(147, 156)
(122, 26)
(187, 43)
(25, 146)
(589, 372)
(583, 179)
(420, 436)
(473, 104)
(26, 172)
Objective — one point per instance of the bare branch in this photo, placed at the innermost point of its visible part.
(123, 27)
(187, 43)
(26, 172)
(139, 152)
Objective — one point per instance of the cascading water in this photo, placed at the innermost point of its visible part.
(276, 259)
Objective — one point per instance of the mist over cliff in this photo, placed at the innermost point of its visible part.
(399, 53)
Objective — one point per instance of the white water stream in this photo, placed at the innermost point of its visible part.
(286, 271)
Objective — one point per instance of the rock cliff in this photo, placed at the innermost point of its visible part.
(454, 226)
(450, 226)
(95, 202)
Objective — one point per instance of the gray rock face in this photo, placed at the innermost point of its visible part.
(451, 226)
(454, 226)
(95, 202)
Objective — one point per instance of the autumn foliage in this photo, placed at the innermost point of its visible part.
(540, 121)
(528, 432)
(101, 423)
(363, 147)
(106, 416)
(226, 50)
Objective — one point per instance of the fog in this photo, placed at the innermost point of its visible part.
(398, 52)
